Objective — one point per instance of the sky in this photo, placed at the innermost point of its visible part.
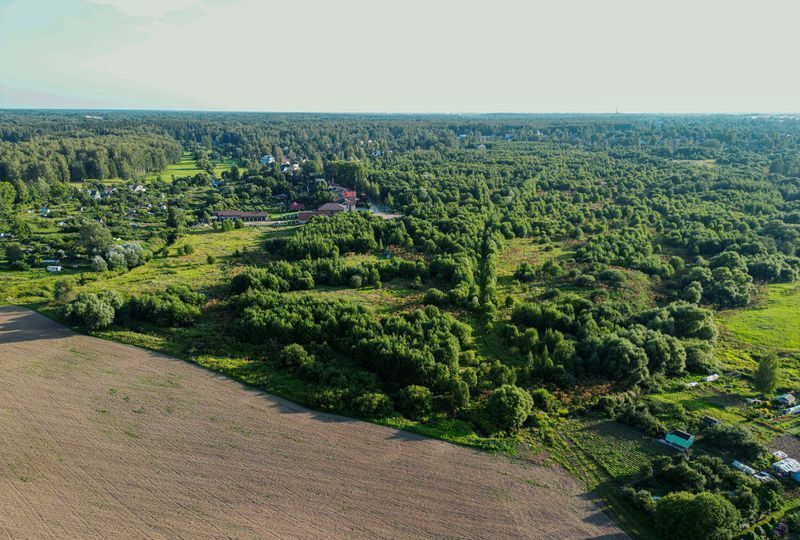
(402, 56)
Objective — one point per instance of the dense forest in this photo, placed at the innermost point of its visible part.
(642, 229)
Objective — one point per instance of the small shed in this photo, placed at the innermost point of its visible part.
(709, 421)
(739, 466)
(786, 399)
(680, 439)
(711, 378)
(778, 454)
(793, 410)
(53, 268)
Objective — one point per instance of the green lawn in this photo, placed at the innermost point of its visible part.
(774, 324)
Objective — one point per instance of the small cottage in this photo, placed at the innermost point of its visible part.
(786, 399)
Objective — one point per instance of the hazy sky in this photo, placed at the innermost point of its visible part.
(402, 55)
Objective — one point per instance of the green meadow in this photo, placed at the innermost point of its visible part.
(774, 323)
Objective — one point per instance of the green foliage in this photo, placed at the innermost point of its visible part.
(736, 438)
(697, 517)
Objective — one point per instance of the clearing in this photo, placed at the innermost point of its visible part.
(99, 439)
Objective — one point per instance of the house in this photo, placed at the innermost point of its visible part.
(777, 454)
(786, 467)
(296, 206)
(138, 188)
(680, 439)
(267, 159)
(692, 384)
(222, 215)
(739, 466)
(711, 378)
(786, 399)
(709, 421)
(331, 209)
(349, 197)
(53, 268)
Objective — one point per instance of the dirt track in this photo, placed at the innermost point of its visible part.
(101, 440)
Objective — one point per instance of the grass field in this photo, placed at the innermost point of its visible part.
(774, 324)
(188, 167)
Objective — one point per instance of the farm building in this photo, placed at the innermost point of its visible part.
(327, 209)
(53, 268)
(680, 439)
(222, 215)
(711, 378)
(786, 466)
(709, 421)
(786, 399)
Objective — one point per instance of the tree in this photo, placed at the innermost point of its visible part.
(14, 253)
(95, 237)
(508, 407)
(767, 374)
(7, 196)
(175, 217)
(707, 516)
(90, 310)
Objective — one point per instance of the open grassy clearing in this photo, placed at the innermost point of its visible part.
(135, 443)
(775, 323)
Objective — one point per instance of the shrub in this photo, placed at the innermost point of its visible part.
(295, 357)
(89, 310)
(415, 401)
(63, 289)
(99, 264)
(373, 405)
(544, 400)
(435, 297)
(508, 407)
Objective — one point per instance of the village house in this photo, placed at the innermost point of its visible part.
(786, 399)
(296, 206)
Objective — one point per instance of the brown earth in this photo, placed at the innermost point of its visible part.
(102, 440)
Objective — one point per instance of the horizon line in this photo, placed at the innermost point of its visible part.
(409, 113)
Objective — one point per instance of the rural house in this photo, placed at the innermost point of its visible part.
(786, 399)
(680, 439)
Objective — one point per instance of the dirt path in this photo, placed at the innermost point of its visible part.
(102, 440)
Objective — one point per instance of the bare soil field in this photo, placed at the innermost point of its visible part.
(102, 440)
